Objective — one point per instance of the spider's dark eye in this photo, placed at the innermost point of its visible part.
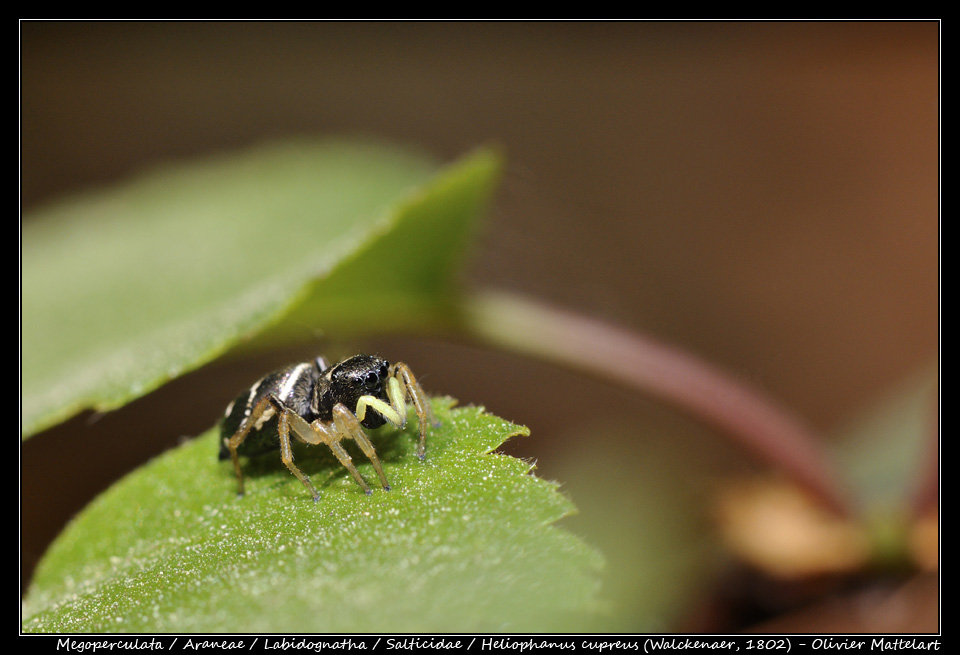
(372, 379)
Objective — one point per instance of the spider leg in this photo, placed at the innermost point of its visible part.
(328, 433)
(402, 385)
(264, 411)
(421, 403)
(348, 426)
(288, 419)
(257, 414)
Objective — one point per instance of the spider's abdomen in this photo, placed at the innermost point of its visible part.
(318, 404)
(293, 386)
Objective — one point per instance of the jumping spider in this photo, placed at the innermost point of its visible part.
(324, 404)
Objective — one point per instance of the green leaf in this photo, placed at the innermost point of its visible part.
(125, 289)
(882, 449)
(640, 493)
(464, 541)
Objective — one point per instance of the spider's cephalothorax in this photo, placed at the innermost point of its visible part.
(324, 404)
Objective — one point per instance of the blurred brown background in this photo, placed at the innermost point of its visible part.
(762, 194)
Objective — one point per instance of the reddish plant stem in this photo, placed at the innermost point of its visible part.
(757, 424)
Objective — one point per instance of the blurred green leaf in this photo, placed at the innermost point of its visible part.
(464, 541)
(125, 289)
(640, 495)
(882, 449)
